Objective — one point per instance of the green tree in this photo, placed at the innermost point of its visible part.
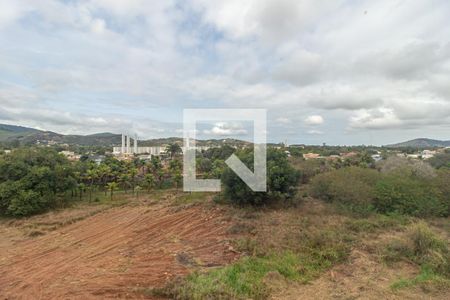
(112, 186)
(173, 150)
(149, 181)
(91, 176)
(125, 180)
(177, 178)
(137, 189)
(282, 179)
(33, 180)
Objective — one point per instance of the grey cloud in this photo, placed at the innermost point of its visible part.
(412, 60)
(302, 68)
(387, 68)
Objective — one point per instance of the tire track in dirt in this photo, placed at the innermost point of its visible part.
(111, 254)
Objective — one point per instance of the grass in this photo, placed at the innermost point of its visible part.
(426, 249)
(249, 277)
(426, 279)
(377, 222)
(190, 198)
(252, 276)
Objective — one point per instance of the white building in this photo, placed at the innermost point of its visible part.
(426, 154)
(126, 148)
(156, 150)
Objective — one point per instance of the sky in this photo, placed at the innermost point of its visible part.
(336, 72)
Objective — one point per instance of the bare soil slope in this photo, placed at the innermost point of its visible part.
(114, 253)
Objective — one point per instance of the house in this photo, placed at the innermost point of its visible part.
(70, 155)
(311, 156)
(377, 157)
(426, 154)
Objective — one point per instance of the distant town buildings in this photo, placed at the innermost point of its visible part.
(70, 155)
(377, 157)
(426, 154)
(126, 149)
(311, 156)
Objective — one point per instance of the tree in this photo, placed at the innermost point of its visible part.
(177, 178)
(149, 181)
(137, 189)
(173, 150)
(112, 186)
(91, 176)
(281, 180)
(125, 181)
(133, 173)
(104, 173)
(218, 167)
(33, 180)
(81, 188)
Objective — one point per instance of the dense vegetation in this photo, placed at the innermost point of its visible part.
(281, 180)
(378, 195)
(33, 180)
(399, 186)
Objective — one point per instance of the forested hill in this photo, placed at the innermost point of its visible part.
(30, 136)
(421, 143)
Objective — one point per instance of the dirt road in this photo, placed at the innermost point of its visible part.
(115, 253)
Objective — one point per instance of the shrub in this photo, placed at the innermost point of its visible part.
(423, 247)
(442, 184)
(281, 180)
(309, 168)
(363, 190)
(31, 179)
(402, 166)
(27, 202)
(440, 161)
(351, 188)
(408, 195)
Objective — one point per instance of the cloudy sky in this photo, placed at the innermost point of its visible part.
(340, 72)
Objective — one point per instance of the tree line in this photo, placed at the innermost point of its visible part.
(33, 180)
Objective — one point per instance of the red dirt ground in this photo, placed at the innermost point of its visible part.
(114, 253)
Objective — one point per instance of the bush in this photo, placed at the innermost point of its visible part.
(365, 190)
(440, 161)
(351, 188)
(407, 195)
(281, 180)
(309, 168)
(442, 184)
(402, 166)
(423, 247)
(31, 179)
(27, 202)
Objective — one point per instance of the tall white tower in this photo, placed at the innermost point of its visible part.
(135, 151)
(123, 144)
(128, 144)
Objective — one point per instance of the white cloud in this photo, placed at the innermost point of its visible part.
(283, 120)
(375, 119)
(314, 132)
(226, 129)
(361, 65)
(314, 120)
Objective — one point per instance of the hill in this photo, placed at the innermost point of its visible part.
(421, 143)
(31, 136)
(15, 132)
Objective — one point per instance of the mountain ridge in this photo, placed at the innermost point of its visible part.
(421, 143)
(26, 135)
